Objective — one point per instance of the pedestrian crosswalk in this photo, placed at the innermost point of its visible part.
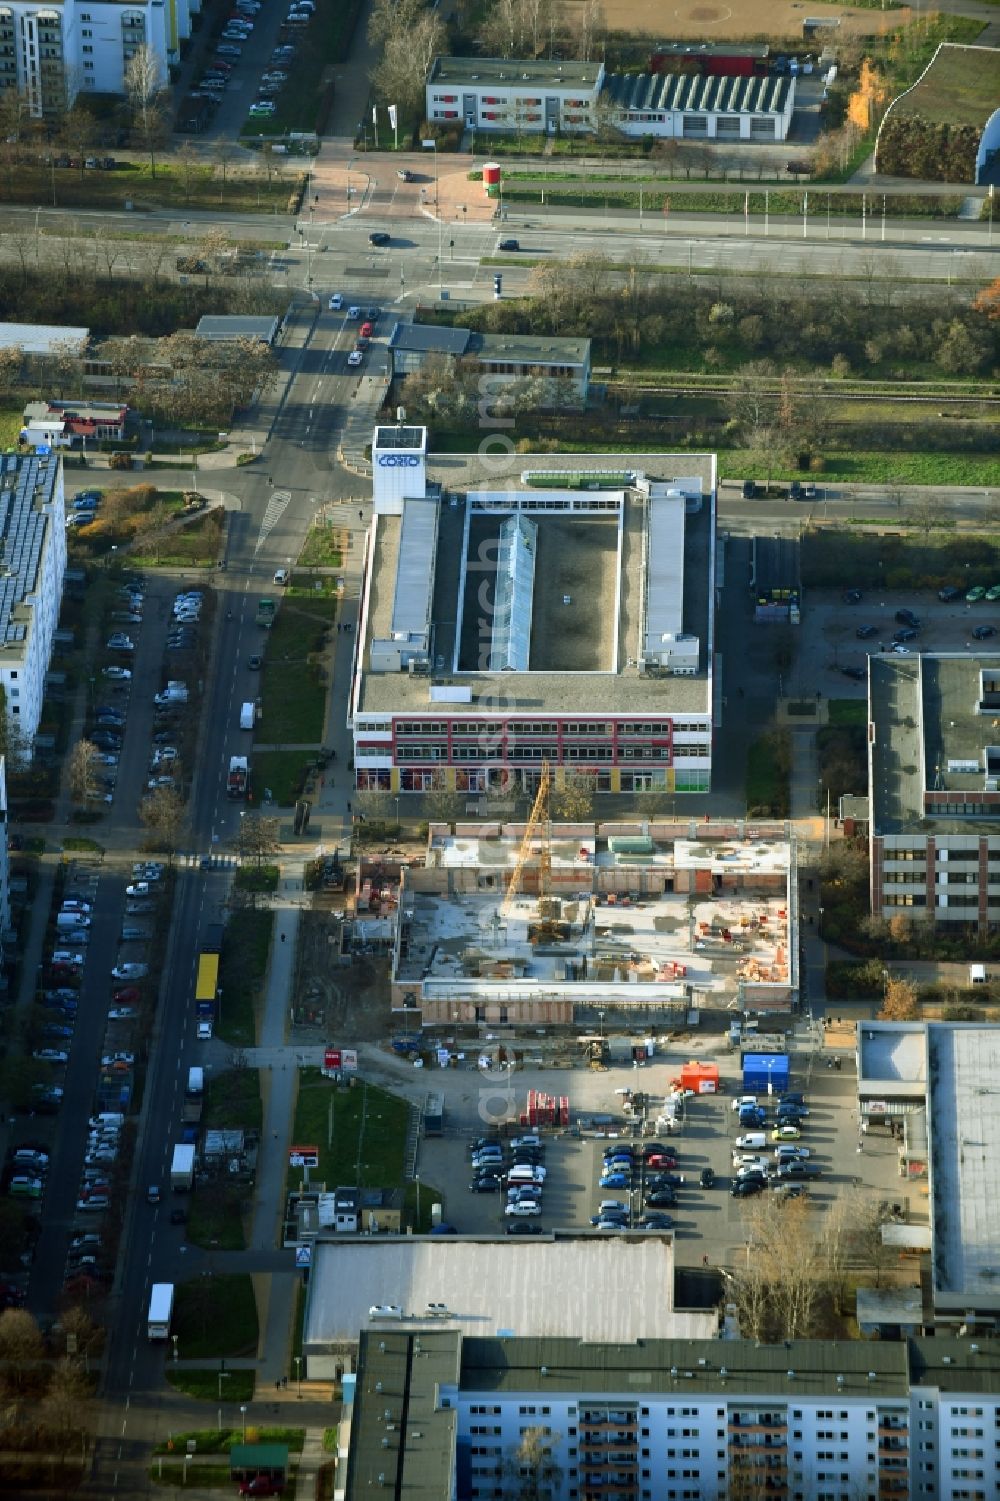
(209, 862)
(276, 508)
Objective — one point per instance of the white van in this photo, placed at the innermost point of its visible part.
(247, 716)
(526, 1173)
(72, 919)
(752, 1141)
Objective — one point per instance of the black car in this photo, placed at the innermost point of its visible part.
(178, 1216)
(792, 1098)
(983, 631)
(798, 1170)
(948, 593)
(851, 596)
(795, 490)
(378, 238)
(707, 1179)
(907, 617)
(661, 1198)
(858, 673)
(905, 633)
(525, 1227)
(254, 663)
(508, 244)
(372, 313)
(866, 632)
(745, 1188)
(485, 1185)
(749, 489)
(655, 1222)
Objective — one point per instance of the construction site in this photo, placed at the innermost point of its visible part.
(552, 924)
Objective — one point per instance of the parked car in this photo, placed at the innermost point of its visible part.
(130, 972)
(379, 237)
(866, 632)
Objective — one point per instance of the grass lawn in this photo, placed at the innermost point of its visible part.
(283, 772)
(960, 88)
(232, 1099)
(193, 546)
(179, 184)
(221, 1440)
(368, 1132)
(768, 768)
(242, 970)
(214, 1216)
(216, 1315)
(293, 685)
(847, 711)
(11, 423)
(237, 1386)
(320, 549)
(175, 1472)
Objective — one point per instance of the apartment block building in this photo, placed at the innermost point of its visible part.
(934, 787)
(675, 1420)
(51, 53)
(518, 612)
(33, 554)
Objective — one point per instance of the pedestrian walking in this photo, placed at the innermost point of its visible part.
(361, 515)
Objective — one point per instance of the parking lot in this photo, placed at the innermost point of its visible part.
(706, 1221)
(828, 642)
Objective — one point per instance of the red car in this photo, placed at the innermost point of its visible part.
(260, 1485)
(128, 996)
(366, 330)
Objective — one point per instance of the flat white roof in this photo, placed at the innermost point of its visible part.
(965, 1152)
(621, 1286)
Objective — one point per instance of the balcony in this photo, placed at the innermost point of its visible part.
(762, 1424)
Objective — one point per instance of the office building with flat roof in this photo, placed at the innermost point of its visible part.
(520, 611)
(934, 787)
(33, 556)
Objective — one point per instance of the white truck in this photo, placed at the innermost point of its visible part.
(176, 692)
(247, 716)
(182, 1167)
(161, 1308)
(193, 1094)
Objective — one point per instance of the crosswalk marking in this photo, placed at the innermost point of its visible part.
(276, 508)
(209, 862)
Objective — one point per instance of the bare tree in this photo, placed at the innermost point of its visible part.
(144, 90)
(410, 36)
(81, 766)
(867, 1218)
(532, 1467)
(373, 804)
(163, 813)
(573, 797)
(21, 1348)
(65, 1408)
(257, 840)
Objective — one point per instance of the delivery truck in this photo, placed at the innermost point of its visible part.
(161, 1308)
(194, 1094)
(182, 1168)
(247, 716)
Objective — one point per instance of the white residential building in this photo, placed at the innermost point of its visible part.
(33, 542)
(52, 53)
(4, 851)
(500, 94)
(672, 1420)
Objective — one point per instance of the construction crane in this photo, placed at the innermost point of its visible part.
(539, 815)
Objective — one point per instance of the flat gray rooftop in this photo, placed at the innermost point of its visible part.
(928, 735)
(690, 1368)
(23, 525)
(892, 1053)
(525, 349)
(512, 72)
(965, 1151)
(598, 583)
(491, 1285)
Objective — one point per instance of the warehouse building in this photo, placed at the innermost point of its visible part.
(446, 1414)
(491, 1284)
(722, 102)
(697, 107)
(518, 612)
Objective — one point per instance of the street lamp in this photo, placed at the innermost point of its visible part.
(298, 1376)
(243, 1415)
(350, 164)
(174, 1338)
